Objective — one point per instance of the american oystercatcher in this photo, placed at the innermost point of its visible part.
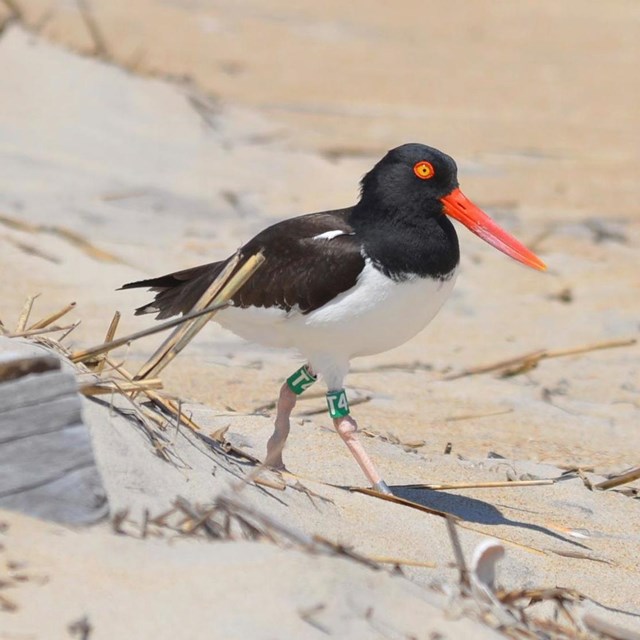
(352, 282)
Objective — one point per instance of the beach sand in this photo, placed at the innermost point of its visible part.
(197, 125)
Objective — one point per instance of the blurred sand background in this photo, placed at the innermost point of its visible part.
(165, 133)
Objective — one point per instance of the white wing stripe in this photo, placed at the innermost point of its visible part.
(329, 235)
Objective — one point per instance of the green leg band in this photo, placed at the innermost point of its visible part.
(301, 380)
(338, 404)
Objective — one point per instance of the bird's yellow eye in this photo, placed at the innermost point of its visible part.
(424, 170)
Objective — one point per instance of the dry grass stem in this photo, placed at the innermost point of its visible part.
(39, 332)
(107, 386)
(480, 485)
(45, 322)
(271, 483)
(69, 330)
(154, 416)
(298, 486)
(84, 355)
(155, 437)
(168, 349)
(403, 562)
(118, 520)
(402, 501)
(125, 387)
(623, 478)
(578, 555)
(218, 437)
(528, 361)
(457, 551)
(573, 469)
(341, 550)
(166, 404)
(111, 334)
(411, 367)
(196, 518)
(174, 409)
(161, 519)
(475, 416)
(236, 506)
(538, 595)
(218, 293)
(585, 479)
(267, 525)
(25, 313)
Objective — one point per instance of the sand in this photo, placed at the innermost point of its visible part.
(159, 172)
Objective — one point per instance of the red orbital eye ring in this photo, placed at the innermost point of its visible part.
(423, 170)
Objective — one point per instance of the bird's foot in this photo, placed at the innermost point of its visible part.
(275, 461)
(276, 466)
(382, 487)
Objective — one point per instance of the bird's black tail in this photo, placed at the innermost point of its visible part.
(177, 292)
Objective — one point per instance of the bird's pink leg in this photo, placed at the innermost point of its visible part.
(275, 445)
(295, 384)
(346, 426)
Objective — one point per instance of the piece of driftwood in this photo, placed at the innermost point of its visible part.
(47, 467)
(12, 368)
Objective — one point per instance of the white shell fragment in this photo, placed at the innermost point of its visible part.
(483, 564)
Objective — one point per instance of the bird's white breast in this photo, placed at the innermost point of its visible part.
(375, 315)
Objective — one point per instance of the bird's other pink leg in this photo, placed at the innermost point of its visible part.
(296, 384)
(347, 427)
(275, 445)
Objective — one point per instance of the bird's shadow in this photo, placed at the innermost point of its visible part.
(471, 510)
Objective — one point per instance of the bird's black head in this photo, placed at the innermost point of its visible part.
(412, 187)
(412, 176)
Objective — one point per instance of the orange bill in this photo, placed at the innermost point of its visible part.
(458, 206)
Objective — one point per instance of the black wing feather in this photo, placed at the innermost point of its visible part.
(298, 271)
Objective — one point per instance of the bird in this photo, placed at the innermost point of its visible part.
(345, 283)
